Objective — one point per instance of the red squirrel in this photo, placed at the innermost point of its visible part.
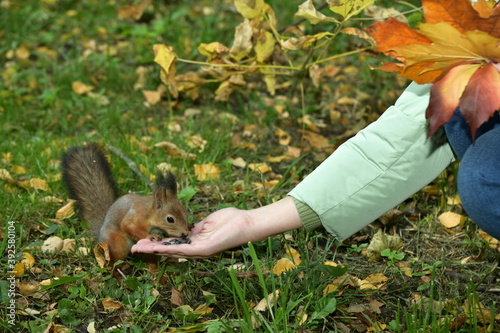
(120, 222)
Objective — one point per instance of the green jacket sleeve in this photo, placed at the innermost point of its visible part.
(377, 169)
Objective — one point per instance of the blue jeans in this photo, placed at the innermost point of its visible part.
(479, 171)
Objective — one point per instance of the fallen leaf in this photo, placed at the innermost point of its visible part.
(492, 242)
(52, 244)
(133, 12)
(152, 96)
(373, 281)
(283, 265)
(238, 162)
(66, 211)
(381, 241)
(260, 167)
(80, 88)
(176, 298)
(208, 171)
(267, 302)
(110, 304)
(453, 222)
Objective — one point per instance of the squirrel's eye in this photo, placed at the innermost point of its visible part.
(170, 219)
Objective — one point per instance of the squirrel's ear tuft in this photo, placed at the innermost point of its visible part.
(166, 183)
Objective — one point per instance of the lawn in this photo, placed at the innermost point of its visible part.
(75, 72)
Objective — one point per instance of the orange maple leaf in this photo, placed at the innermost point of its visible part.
(457, 49)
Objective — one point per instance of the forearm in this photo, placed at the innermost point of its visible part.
(377, 169)
(273, 219)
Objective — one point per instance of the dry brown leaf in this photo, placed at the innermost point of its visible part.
(238, 162)
(381, 241)
(133, 12)
(196, 141)
(152, 96)
(208, 171)
(52, 244)
(80, 88)
(283, 137)
(342, 282)
(492, 242)
(454, 201)
(23, 52)
(176, 298)
(28, 287)
(110, 304)
(101, 254)
(242, 45)
(316, 140)
(453, 222)
(66, 211)
(264, 305)
(68, 245)
(260, 167)
(373, 281)
(203, 309)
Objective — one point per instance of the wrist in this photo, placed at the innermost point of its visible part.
(273, 219)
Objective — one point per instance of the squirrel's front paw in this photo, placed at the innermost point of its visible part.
(155, 237)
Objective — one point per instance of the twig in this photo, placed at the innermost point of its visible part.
(132, 165)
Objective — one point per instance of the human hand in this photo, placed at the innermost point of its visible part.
(221, 230)
(228, 228)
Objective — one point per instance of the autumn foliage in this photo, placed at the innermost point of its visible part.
(457, 49)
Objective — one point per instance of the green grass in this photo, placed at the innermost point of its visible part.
(41, 116)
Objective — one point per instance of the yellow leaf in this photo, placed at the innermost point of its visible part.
(373, 281)
(452, 220)
(212, 50)
(270, 81)
(101, 254)
(309, 12)
(223, 91)
(165, 57)
(196, 141)
(268, 301)
(294, 254)
(261, 167)
(208, 171)
(133, 12)
(28, 260)
(80, 88)
(453, 201)
(66, 211)
(23, 52)
(17, 169)
(19, 269)
(242, 41)
(264, 46)
(249, 8)
(492, 242)
(110, 304)
(348, 8)
(152, 96)
(283, 265)
(203, 309)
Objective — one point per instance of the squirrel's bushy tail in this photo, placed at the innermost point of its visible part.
(87, 176)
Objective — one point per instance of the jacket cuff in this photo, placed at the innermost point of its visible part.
(309, 218)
